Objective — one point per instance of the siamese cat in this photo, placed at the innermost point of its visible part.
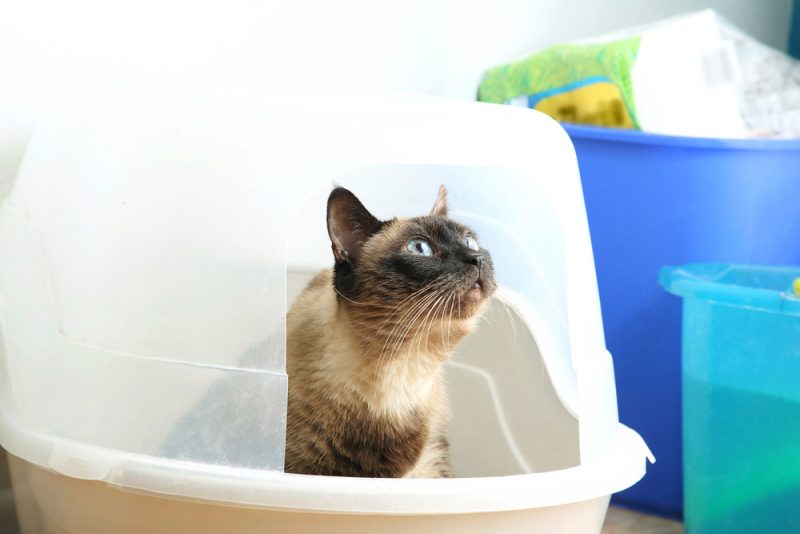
(367, 339)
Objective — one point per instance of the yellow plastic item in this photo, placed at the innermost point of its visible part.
(796, 286)
(599, 103)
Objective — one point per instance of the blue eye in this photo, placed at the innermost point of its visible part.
(419, 247)
(471, 243)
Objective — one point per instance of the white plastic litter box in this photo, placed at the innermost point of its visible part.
(151, 248)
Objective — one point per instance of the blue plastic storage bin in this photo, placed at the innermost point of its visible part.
(741, 397)
(655, 200)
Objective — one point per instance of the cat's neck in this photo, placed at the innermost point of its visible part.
(393, 373)
(394, 368)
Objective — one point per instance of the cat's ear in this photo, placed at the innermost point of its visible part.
(349, 225)
(440, 207)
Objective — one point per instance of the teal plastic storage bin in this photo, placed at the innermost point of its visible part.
(741, 397)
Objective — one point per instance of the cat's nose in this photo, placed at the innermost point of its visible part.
(476, 260)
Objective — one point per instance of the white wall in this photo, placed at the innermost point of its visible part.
(431, 46)
(438, 47)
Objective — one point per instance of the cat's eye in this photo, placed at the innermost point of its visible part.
(419, 247)
(471, 243)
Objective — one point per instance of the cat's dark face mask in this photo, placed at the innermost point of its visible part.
(422, 267)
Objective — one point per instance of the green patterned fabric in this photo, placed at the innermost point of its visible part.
(564, 65)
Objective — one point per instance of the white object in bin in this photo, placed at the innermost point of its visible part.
(685, 76)
(699, 75)
(151, 250)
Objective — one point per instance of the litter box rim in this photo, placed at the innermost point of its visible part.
(619, 467)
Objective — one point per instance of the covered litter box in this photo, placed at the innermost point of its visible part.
(151, 248)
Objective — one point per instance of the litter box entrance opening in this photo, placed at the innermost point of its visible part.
(512, 407)
(507, 418)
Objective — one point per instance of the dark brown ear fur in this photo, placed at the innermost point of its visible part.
(349, 225)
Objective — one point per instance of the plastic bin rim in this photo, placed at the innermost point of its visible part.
(687, 281)
(643, 138)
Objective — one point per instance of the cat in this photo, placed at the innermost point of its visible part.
(366, 342)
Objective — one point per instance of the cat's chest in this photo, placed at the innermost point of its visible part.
(394, 434)
(405, 387)
(382, 446)
(354, 420)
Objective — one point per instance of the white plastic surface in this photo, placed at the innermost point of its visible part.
(85, 507)
(684, 79)
(143, 288)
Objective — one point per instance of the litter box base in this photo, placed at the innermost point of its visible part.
(49, 503)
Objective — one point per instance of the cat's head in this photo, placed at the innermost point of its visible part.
(406, 268)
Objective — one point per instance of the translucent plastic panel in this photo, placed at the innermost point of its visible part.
(70, 388)
(159, 240)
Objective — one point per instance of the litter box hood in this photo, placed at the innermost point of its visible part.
(149, 247)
